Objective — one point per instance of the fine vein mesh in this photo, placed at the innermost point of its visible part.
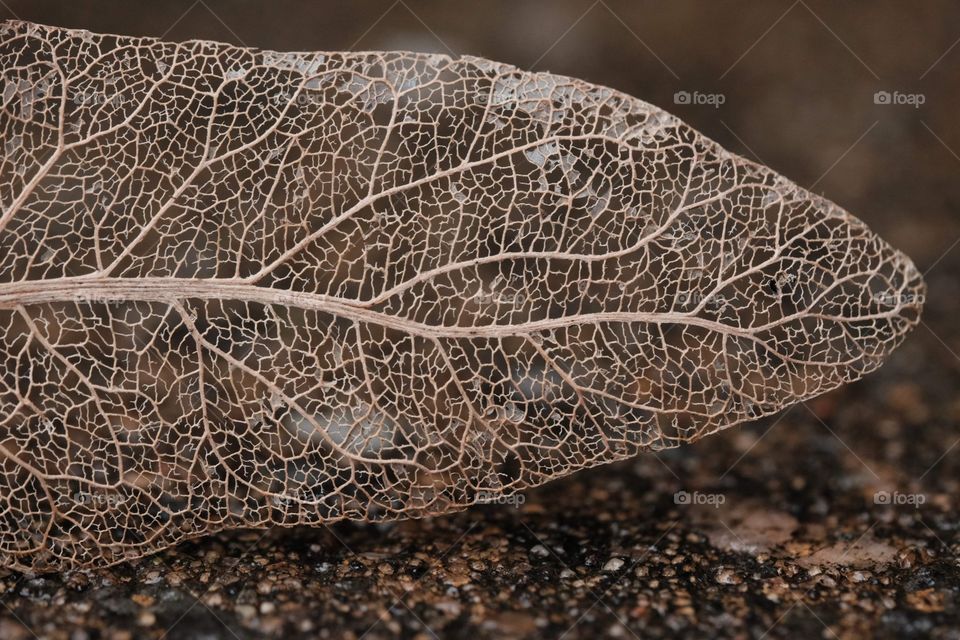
(241, 288)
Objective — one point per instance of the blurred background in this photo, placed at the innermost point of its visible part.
(838, 518)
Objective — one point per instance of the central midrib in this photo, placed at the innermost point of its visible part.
(110, 290)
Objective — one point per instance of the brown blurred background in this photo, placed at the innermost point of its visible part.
(800, 546)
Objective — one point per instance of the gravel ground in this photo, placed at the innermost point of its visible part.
(838, 518)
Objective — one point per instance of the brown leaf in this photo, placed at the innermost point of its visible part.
(241, 288)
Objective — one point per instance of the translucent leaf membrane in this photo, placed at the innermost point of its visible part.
(241, 288)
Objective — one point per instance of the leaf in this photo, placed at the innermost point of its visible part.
(241, 288)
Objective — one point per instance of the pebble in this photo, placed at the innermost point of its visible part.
(142, 599)
(152, 577)
(726, 575)
(449, 607)
(539, 551)
(245, 611)
(613, 564)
